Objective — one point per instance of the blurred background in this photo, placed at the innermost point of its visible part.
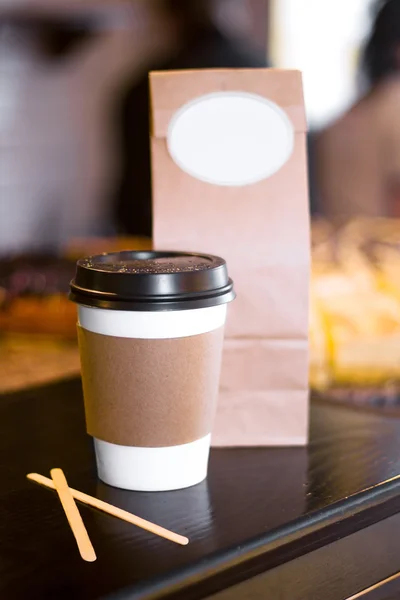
(72, 97)
(72, 78)
(75, 166)
(324, 40)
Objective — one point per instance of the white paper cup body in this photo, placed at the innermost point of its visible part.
(143, 468)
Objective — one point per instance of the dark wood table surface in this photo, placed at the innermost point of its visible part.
(310, 523)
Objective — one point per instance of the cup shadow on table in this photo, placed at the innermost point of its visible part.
(248, 493)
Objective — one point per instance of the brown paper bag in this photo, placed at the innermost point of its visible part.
(229, 178)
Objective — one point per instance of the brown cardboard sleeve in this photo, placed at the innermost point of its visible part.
(263, 232)
(150, 393)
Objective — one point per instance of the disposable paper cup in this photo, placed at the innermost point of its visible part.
(150, 366)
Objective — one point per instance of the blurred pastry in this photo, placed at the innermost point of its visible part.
(34, 288)
(33, 295)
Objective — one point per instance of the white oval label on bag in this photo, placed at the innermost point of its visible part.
(230, 138)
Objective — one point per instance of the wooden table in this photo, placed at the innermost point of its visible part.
(298, 524)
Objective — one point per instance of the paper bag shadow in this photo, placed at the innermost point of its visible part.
(221, 510)
(181, 511)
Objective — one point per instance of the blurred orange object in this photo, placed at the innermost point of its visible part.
(50, 312)
(53, 315)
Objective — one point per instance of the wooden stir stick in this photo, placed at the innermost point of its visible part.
(72, 513)
(114, 511)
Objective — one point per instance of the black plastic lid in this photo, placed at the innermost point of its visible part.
(151, 281)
